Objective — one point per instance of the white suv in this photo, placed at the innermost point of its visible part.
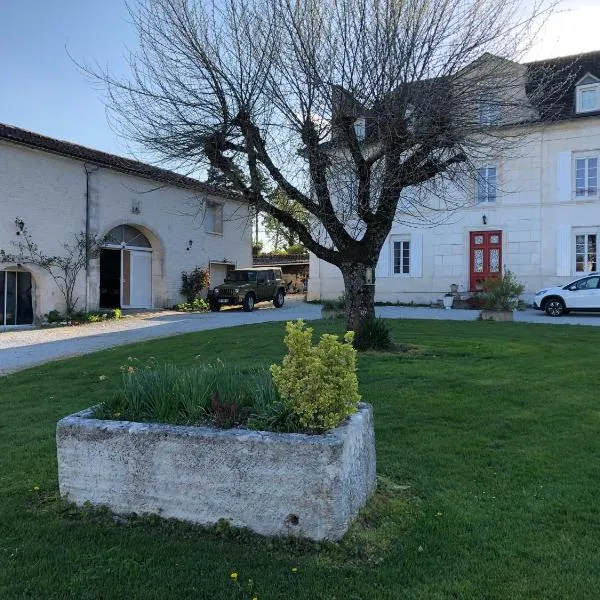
(580, 295)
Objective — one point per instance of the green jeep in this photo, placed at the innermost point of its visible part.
(247, 287)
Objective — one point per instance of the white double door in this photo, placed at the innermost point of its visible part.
(136, 279)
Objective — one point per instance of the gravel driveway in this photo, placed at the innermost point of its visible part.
(20, 349)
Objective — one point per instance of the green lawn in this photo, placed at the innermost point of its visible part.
(488, 441)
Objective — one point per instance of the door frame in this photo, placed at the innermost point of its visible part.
(123, 248)
(486, 247)
(132, 249)
(4, 298)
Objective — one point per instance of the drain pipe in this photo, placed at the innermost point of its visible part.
(89, 169)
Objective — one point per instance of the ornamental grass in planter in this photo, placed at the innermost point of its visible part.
(500, 297)
(159, 445)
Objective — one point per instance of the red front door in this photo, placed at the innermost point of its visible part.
(485, 257)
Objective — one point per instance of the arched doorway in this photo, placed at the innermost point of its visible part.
(126, 269)
(16, 306)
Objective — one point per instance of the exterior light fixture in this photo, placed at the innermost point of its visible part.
(484, 219)
(189, 244)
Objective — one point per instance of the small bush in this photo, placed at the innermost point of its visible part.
(193, 283)
(197, 305)
(319, 382)
(502, 293)
(81, 316)
(54, 317)
(373, 334)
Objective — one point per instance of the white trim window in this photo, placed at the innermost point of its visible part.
(400, 256)
(586, 252)
(213, 218)
(588, 94)
(360, 128)
(486, 184)
(489, 110)
(586, 177)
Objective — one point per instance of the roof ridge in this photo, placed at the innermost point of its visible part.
(132, 166)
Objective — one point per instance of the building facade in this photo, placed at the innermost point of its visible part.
(535, 212)
(156, 224)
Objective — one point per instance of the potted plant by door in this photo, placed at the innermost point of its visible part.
(448, 300)
(501, 297)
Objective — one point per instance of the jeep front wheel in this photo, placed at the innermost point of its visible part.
(248, 303)
(279, 299)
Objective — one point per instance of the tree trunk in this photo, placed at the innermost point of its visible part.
(360, 297)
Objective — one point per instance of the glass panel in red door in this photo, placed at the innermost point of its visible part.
(485, 257)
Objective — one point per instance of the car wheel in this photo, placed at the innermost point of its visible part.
(279, 299)
(555, 307)
(214, 306)
(248, 303)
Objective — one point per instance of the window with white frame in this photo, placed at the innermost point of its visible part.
(586, 176)
(360, 128)
(213, 217)
(486, 184)
(401, 256)
(588, 94)
(489, 110)
(586, 252)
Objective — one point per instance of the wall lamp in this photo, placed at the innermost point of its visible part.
(189, 244)
(484, 219)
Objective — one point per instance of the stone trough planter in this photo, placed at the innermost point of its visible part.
(496, 315)
(274, 484)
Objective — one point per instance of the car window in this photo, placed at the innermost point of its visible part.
(241, 276)
(261, 277)
(590, 283)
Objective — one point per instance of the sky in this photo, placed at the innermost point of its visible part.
(44, 91)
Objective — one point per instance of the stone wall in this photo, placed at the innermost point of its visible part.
(274, 484)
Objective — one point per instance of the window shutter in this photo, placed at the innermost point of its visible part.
(383, 263)
(416, 254)
(563, 252)
(563, 176)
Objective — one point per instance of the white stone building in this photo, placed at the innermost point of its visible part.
(536, 212)
(59, 190)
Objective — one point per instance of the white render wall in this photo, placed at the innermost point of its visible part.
(48, 192)
(536, 210)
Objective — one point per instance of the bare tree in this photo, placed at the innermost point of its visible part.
(360, 111)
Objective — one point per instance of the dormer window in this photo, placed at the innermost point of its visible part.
(360, 129)
(489, 110)
(588, 94)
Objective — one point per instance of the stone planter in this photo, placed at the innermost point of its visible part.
(448, 301)
(496, 315)
(274, 484)
(333, 313)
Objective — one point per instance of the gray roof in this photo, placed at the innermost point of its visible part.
(111, 161)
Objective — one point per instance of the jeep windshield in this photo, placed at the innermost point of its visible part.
(241, 276)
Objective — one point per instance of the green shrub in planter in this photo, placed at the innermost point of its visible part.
(319, 382)
(502, 293)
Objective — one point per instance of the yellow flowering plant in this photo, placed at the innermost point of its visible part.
(319, 382)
